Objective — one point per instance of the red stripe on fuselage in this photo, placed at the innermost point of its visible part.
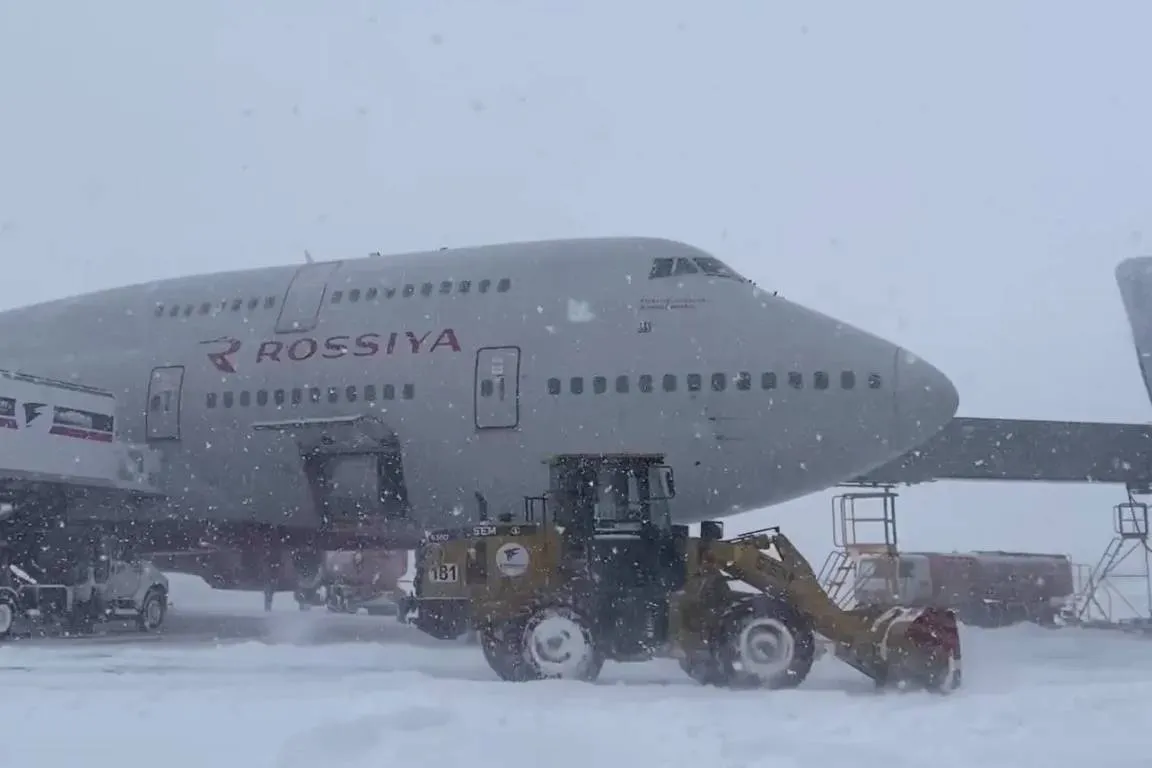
(81, 434)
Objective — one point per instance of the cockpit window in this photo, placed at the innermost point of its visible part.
(705, 266)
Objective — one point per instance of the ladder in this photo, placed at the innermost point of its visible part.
(856, 531)
(1095, 599)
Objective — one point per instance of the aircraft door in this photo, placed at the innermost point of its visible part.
(497, 388)
(162, 418)
(300, 308)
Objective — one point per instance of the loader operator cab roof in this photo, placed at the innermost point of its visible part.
(611, 490)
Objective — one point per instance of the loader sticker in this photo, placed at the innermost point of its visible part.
(512, 559)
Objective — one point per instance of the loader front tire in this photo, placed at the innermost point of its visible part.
(555, 642)
(766, 643)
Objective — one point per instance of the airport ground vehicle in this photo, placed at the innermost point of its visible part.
(62, 464)
(984, 588)
(73, 588)
(351, 580)
(596, 571)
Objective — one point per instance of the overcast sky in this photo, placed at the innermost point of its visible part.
(961, 177)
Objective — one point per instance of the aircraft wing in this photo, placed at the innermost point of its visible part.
(1026, 450)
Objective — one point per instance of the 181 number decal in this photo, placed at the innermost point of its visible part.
(443, 572)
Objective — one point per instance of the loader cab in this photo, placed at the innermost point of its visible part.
(615, 524)
(604, 493)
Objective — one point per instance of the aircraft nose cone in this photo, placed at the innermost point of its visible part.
(925, 399)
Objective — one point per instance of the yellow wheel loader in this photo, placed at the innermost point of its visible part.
(595, 570)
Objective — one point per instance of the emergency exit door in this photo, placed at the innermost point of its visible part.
(300, 308)
(162, 416)
(497, 390)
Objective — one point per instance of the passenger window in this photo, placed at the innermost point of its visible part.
(553, 386)
(370, 392)
(622, 385)
(371, 294)
(426, 289)
(174, 311)
(278, 397)
(389, 392)
(768, 380)
(314, 394)
(719, 382)
(159, 310)
(576, 385)
(253, 303)
(261, 397)
(669, 382)
(409, 290)
(599, 385)
(465, 286)
(820, 380)
(350, 393)
(237, 304)
(188, 310)
(485, 285)
(205, 308)
(695, 382)
(245, 399)
(645, 383)
(354, 294)
(486, 388)
(874, 381)
(333, 395)
(227, 399)
(446, 286)
(847, 380)
(269, 302)
(297, 396)
(744, 381)
(503, 285)
(408, 391)
(210, 401)
(796, 380)
(389, 292)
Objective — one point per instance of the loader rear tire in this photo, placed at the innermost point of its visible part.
(766, 643)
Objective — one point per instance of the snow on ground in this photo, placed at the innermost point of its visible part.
(295, 699)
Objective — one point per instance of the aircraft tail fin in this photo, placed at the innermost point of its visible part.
(1134, 278)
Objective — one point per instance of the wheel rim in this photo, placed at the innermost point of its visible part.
(6, 617)
(558, 645)
(153, 612)
(764, 648)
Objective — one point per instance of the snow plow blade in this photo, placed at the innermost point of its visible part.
(907, 648)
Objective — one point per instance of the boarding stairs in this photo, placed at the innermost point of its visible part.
(863, 523)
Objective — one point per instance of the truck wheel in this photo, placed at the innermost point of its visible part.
(555, 643)
(152, 610)
(766, 643)
(704, 669)
(502, 651)
(9, 609)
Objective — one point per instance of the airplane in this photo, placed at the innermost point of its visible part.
(443, 379)
(1134, 278)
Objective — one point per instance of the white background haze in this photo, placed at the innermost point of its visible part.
(961, 178)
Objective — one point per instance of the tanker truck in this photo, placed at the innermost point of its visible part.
(984, 588)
